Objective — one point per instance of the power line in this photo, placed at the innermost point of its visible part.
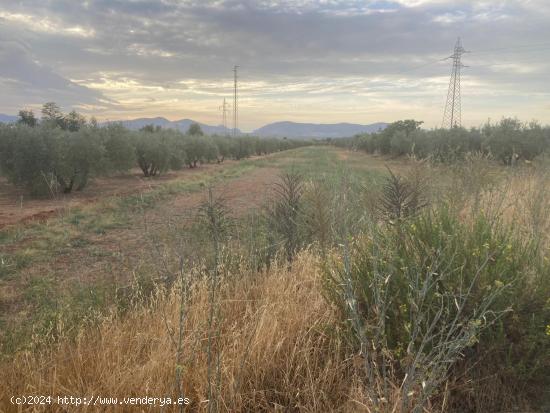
(513, 52)
(514, 49)
(536, 47)
(504, 63)
(411, 69)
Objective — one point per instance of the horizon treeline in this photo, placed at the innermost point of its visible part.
(507, 141)
(61, 152)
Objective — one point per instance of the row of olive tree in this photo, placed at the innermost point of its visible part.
(507, 141)
(49, 157)
(46, 159)
(159, 150)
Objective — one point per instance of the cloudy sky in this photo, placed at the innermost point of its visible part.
(302, 60)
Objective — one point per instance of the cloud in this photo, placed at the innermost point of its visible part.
(27, 83)
(45, 25)
(351, 60)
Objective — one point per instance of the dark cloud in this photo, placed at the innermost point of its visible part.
(347, 53)
(26, 82)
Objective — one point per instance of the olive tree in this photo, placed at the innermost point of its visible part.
(195, 130)
(176, 143)
(152, 152)
(120, 152)
(52, 115)
(192, 151)
(26, 117)
(77, 156)
(46, 160)
(224, 147)
(27, 156)
(73, 121)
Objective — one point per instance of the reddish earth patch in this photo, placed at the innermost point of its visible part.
(241, 194)
(343, 155)
(115, 254)
(17, 206)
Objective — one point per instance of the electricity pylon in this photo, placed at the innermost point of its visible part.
(224, 108)
(452, 114)
(235, 103)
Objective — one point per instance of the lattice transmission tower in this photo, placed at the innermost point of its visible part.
(452, 115)
(225, 109)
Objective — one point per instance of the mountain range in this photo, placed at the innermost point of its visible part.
(316, 130)
(7, 118)
(276, 129)
(181, 125)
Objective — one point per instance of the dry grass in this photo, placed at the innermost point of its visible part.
(277, 344)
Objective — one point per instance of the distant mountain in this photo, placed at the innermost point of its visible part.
(181, 125)
(315, 130)
(277, 129)
(7, 118)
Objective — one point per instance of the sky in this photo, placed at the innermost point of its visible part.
(323, 61)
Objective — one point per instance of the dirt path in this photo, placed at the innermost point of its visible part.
(17, 206)
(240, 195)
(111, 257)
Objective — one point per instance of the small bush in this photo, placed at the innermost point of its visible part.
(284, 212)
(437, 295)
(509, 141)
(400, 197)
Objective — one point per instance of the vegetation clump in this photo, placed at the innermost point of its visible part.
(61, 152)
(508, 141)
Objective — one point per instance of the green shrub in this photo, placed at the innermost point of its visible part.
(436, 294)
(209, 150)
(511, 140)
(508, 141)
(284, 213)
(400, 144)
(195, 130)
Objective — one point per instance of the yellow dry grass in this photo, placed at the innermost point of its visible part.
(277, 345)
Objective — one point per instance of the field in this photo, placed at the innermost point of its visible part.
(73, 238)
(259, 285)
(18, 206)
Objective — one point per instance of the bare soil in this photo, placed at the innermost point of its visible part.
(17, 206)
(114, 254)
